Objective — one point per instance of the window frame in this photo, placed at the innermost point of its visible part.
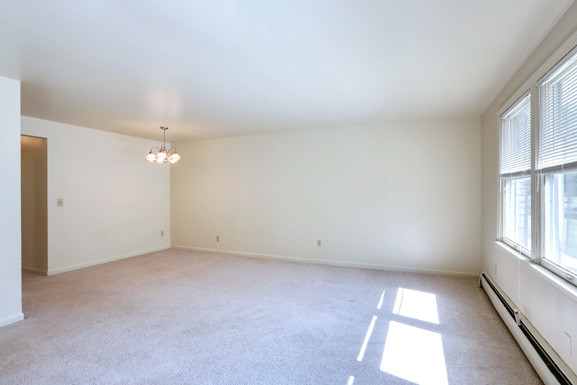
(530, 86)
(540, 175)
(510, 242)
(557, 269)
(521, 175)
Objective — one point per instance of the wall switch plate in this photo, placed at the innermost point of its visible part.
(217, 238)
(59, 202)
(319, 243)
(162, 233)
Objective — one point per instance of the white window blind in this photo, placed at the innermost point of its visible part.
(516, 139)
(558, 118)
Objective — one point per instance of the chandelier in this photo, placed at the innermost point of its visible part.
(163, 154)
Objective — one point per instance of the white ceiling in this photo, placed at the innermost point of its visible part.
(220, 68)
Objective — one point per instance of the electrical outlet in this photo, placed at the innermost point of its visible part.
(59, 202)
(218, 238)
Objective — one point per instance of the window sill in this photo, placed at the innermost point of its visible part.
(557, 282)
(511, 252)
(554, 280)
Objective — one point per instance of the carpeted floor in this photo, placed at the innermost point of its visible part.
(181, 317)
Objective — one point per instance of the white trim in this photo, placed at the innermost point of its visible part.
(104, 260)
(10, 320)
(525, 345)
(515, 104)
(34, 270)
(326, 262)
(551, 73)
(536, 188)
(510, 103)
(558, 55)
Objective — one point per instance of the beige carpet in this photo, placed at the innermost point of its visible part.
(180, 317)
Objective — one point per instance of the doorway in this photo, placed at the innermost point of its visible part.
(34, 204)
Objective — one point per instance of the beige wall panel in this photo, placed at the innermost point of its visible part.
(34, 210)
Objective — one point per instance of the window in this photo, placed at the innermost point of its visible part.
(515, 170)
(538, 171)
(557, 166)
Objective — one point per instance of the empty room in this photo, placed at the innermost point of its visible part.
(299, 192)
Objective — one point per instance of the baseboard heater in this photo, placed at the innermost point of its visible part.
(547, 360)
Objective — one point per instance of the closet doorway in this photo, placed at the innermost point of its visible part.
(34, 204)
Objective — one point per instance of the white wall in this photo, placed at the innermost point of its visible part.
(115, 203)
(403, 196)
(548, 303)
(10, 257)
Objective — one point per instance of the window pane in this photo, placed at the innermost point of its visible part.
(558, 119)
(560, 210)
(516, 138)
(517, 211)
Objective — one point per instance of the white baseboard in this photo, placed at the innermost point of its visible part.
(34, 270)
(327, 262)
(104, 260)
(536, 361)
(12, 319)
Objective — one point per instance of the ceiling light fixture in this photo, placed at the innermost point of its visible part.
(163, 154)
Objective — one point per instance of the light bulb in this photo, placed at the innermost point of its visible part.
(150, 157)
(161, 155)
(174, 158)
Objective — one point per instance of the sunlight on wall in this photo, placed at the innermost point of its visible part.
(414, 354)
(417, 305)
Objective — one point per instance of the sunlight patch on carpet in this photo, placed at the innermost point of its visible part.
(367, 338)
(417, 305)
(381, 301)
(414, 354)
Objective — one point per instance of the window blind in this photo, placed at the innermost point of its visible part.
(558, 118)
(516, 139)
